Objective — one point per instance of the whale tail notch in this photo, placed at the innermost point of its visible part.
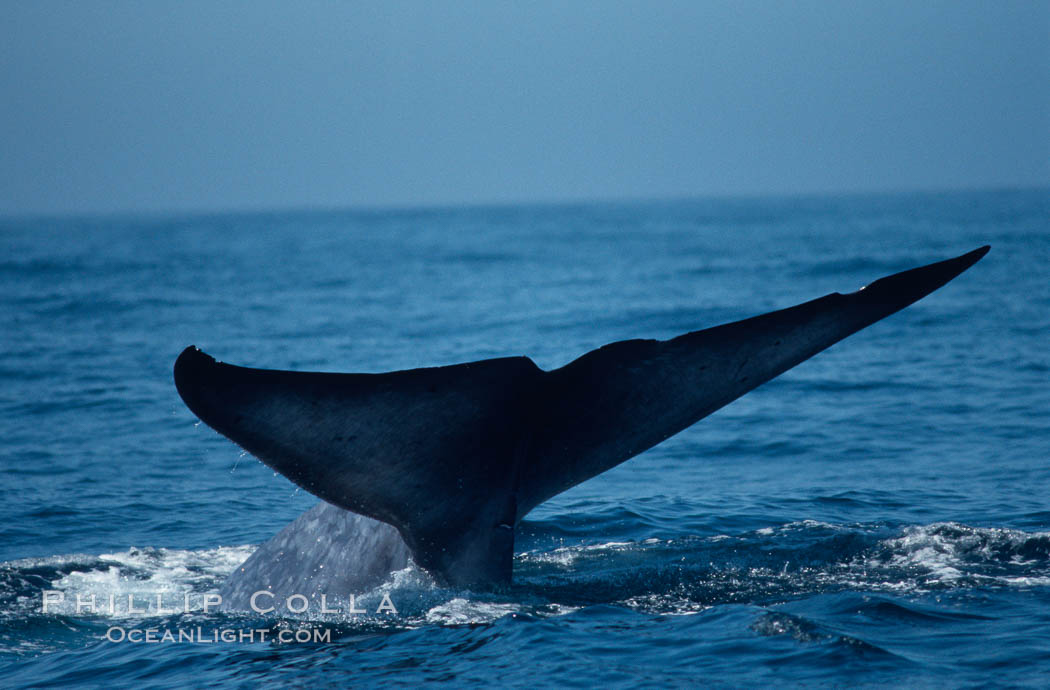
(455, 456)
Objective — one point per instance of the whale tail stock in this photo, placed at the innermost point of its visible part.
(454, 456)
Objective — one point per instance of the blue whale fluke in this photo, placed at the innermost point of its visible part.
(453, 457)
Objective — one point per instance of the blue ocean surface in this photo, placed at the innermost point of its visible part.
(879, 515)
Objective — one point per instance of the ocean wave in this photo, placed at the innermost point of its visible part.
(948, 552)
(676, 576)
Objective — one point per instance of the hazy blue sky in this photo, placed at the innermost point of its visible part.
(108, 106)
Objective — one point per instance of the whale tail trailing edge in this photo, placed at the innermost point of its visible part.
(623, 398)
(454, 456)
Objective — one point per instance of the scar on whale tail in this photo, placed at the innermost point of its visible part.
(455, 456)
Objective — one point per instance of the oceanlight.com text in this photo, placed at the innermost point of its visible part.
(222, 635)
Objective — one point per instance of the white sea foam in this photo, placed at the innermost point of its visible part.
(944, 553)
(137, 582)
(567, 556)
(461, 611)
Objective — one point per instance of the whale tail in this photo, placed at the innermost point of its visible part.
(454, 456)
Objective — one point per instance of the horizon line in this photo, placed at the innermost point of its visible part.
(498, 204)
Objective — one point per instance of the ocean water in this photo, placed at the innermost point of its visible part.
(879, 515)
